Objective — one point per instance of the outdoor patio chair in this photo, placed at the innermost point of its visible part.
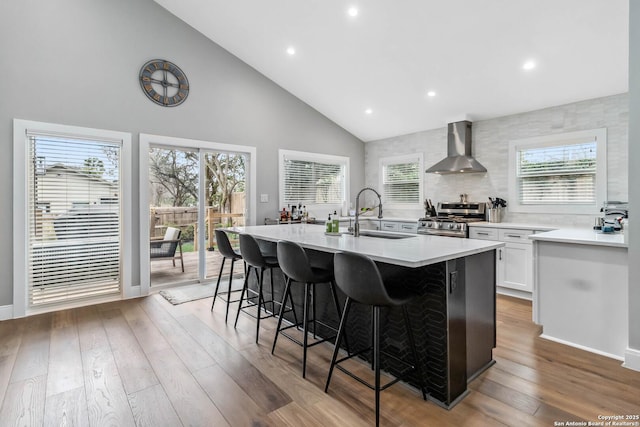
(166, 248)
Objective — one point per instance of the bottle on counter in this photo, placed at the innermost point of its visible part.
(329, 225)
(335, 224)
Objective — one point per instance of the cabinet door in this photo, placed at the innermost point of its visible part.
(514, 266)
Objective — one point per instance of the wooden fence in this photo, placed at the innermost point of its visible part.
(183, 217)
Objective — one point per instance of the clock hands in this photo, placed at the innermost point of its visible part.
(163, 82)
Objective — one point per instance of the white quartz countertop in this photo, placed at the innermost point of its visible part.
(414, 251)
(581, 236)
(525, 226)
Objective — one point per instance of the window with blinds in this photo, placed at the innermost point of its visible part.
(402, 179)
(312, 179)
(74, 219)
(558, 174)
(567, 171)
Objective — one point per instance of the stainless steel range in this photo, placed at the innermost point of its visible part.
(452, 219)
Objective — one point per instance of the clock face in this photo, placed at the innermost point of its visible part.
(164, 83)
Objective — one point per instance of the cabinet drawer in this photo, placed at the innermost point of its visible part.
(388, 226)
(483, 233)
(407, 227)
(515, 235)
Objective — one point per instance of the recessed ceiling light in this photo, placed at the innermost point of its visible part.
(353, 11)
(291, 50)
(431, 93)
(368, 111)
(529, 65)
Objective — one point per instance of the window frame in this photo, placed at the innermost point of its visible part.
(21, 205)
(405, 158)
(315, 209)
(565, 138)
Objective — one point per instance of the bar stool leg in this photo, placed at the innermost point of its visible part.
(305, 328)
(226, 316)
(336, 303)
(336, 348)
(244, 290)
(215, 294)
(284, 303)
(412, 344)
(373, 334)
(376, 358)
(260, 299)
(273, 304)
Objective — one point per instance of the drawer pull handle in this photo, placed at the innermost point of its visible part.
(514, 236)
(482, 234)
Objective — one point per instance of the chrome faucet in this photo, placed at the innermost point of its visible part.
(356, 225)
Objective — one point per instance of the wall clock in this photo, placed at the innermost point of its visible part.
(164, 83)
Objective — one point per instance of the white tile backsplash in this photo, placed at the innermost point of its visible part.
(491, 147)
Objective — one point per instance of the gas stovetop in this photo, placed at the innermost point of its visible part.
(452, 219)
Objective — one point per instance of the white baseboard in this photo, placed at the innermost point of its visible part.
(582, 347)
(516, 293)
(6, 312)
(632, 359)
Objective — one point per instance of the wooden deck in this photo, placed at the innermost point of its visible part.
(163, 272)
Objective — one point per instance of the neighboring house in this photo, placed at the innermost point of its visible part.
(82, 190)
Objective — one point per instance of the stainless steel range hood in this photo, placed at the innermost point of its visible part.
(459, 159)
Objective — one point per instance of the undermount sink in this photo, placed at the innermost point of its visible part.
(385, 234)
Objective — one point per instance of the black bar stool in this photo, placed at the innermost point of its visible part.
(359, 278)
(254, 258)
(295, 264)
(227, 252)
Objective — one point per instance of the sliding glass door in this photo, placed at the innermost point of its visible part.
(192, 190)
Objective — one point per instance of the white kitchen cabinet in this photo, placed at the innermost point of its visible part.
(399, 226)
(514, 261)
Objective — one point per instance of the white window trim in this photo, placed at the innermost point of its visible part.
(146, 141)
(318, 158)
(600, 136)
(20, 207)
(406, 158)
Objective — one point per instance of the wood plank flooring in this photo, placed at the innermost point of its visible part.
(145, 362)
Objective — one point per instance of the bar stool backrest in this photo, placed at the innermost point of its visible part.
(224, 246)
(251, 252)
(359, 278)
(294, 262)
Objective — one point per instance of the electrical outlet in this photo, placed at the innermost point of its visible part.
(264, 198)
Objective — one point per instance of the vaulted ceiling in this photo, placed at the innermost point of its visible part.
(370, 65)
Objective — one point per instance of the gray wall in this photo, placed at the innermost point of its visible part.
(491, 148)
(76, 62)
(634, 176)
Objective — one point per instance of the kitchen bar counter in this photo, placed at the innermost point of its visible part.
(414, 250)
(452, 315)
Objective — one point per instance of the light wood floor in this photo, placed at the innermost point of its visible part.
(146, 362)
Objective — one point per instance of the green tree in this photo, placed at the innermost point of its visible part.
(176, 173)
(93, 166)
(225, 175)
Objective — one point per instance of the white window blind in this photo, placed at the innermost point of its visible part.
(401, 183)
(558, 174)
(312, 182)
(401, 179)
(74, 219)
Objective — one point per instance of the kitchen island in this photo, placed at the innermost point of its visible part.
(453, 317)
(581, 289)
